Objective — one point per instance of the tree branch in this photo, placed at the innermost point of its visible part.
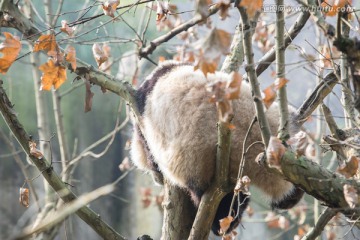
(316, 98)
(16, 20)
(294, 30)
(283, 130)
(324, 218)
(85, 213)
(317, 181)
(53, 220)
(249, 68)
(145, 51)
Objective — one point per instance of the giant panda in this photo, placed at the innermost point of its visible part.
(177, 138)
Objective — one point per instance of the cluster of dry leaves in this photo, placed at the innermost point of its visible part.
(54, 70)
(223, 92)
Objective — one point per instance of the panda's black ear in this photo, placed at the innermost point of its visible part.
(238, 209)
(289, 201)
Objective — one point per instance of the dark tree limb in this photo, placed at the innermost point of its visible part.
(315, 99)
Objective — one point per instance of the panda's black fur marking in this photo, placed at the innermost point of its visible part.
(179, 138)
(289, 201)
(148, 85)
(238, 209)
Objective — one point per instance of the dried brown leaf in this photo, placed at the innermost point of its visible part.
(275, 152)
(206, 65)
(53, 75)
(109, 7)
(10, 49)
(66, 29)
(299, 142)
(225, 224)
(251, 6)
(24, 198)
(71, 57)
(350, 167)
(99, 54)
(272, 220)
(88, 96)
(351, 196)
(46, 43)
(270, 91)
(224, 6)
(125, 164)
(233, 87)
(34, 151)
(242, 185)
(57, 56)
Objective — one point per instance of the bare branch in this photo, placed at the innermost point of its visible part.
(316, 98)
(249, 55)
(61, 214)
(283, 130)
(294, 30)
(85, 213)
(145, 51)
(324, 218)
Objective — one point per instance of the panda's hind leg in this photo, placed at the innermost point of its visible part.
(289, 201)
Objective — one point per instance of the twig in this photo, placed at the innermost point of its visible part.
(145, 51)
(85, 213)
(61, 214)
(294, 30)
(324, 218)
(87, 151)
(63, 146)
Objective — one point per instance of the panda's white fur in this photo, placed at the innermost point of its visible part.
(179, 132)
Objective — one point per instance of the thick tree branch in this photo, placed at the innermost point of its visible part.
(317, 181)
(85, 213)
